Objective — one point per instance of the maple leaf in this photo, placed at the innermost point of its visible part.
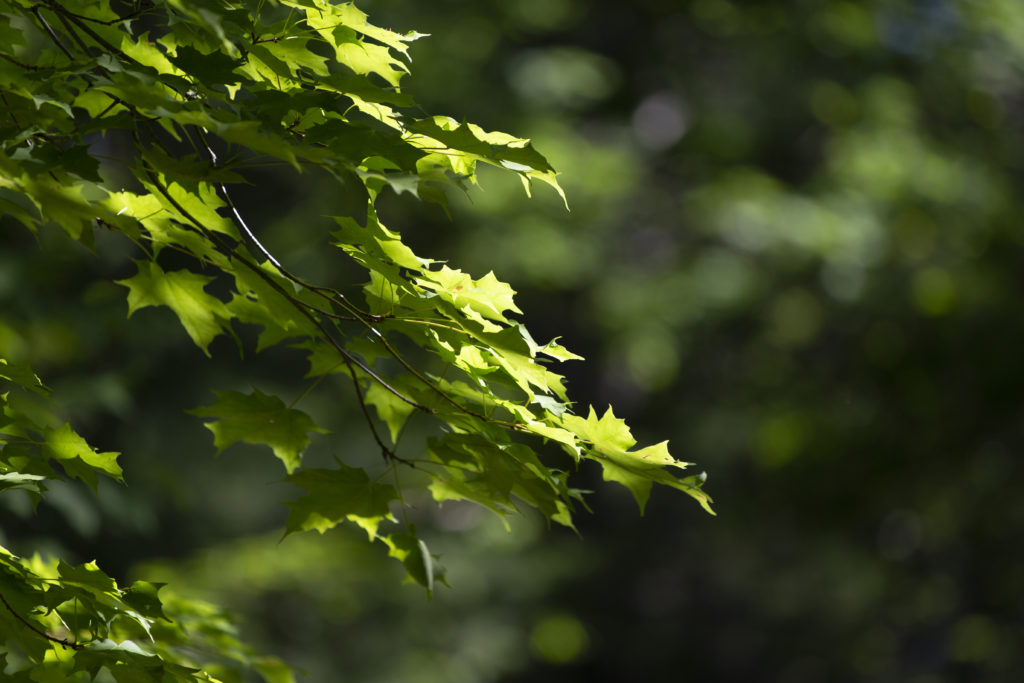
(610, 442)
(257, 418)
(336, 495)
(202, 315)
(487, 297)
(78, 458)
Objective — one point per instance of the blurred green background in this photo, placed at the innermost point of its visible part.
(794, 250)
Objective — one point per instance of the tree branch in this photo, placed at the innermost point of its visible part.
(351, 361)
(44, 634)
(53, 36)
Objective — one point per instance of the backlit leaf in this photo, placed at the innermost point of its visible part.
(78, 458)
(203, 316)
(391, 409)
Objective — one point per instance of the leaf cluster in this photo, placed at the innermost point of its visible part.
(60, 622)
(197, 94)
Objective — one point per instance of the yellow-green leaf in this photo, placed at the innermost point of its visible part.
(202, 315)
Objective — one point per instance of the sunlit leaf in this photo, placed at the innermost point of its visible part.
(202, 315)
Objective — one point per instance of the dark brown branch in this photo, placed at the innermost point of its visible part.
(71, 32)
(340, 298)
(384, 450)
(351, 361)
(12, 60)
(61, 12)
(53, 36)
(9, 110)
(110, 22)
(44, 634)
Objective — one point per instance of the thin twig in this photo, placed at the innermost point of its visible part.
(53, 36)
(10, 111)
(109, 22)
(351, 361)
(44, 634)
(234, 209)
(341, 298)
(92, 34)
(336, 296)
(12, 60)
(71, 32)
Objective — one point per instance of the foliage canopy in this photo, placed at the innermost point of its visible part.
(136, 119)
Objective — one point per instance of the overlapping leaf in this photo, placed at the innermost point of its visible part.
(70, 622)
(346, 493)
(222, 85)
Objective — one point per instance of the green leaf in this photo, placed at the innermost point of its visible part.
(212, 69)
(490, 474)
(260, 419)
(498, 149)
(514, 350)
(610, 441)
(262, 299)
(273, 670)
(78, 458)
(88, 576)
(21, 375)
(323, 358)
(346, 493)
(63, 203)
(142, 597)
(203, 316)
(414, 555)
(607, 433)
(486, 297)
(20, 480)
(392, 410)
(293, 55)
(380, 250)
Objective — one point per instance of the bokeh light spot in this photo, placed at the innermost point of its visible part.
(780, 438)
(974, 639)
(933, 291)
(795, 318)
(833, 104)
(660, 121)
(543, 15)
(899, 535)
(652, 358)
(567, 77)
(559, 639)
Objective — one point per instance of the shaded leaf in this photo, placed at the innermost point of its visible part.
(414, 555)
(260, 419)
(346, 493)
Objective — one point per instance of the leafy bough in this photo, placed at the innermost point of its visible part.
(199, 93)
(62, 622)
